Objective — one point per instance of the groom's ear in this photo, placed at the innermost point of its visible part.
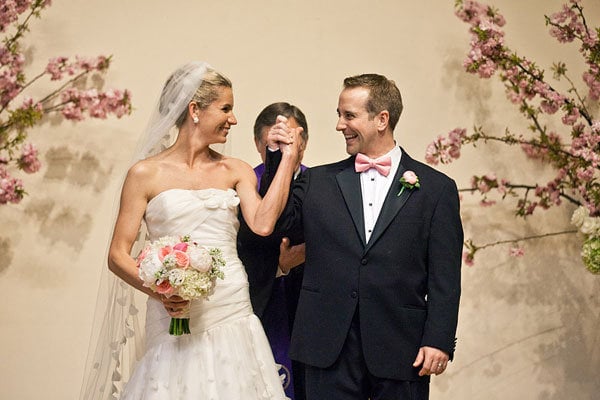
(382, 120)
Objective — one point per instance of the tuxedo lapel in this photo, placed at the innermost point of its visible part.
(349, 183)
(392, 204)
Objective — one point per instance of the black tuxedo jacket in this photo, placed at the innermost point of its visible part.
(405, 281)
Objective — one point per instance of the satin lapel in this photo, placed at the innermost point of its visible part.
(349, 183)
(391, 206)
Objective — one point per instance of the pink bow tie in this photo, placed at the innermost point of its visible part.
(382, 164)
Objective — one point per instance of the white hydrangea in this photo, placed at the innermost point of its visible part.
(579, 216)
(589, 226)
(177, 276)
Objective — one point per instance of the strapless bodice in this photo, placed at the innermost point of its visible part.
(208, 216)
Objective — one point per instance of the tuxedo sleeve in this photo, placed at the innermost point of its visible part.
(290, 222)
(444, 258)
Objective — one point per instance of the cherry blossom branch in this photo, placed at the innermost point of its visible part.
(471, 248)
(74, 103)
(23, 27)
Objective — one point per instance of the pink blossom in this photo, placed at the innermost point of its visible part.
(29, 161)
(502, 187)
(586, 174)
(28, 103)
(483, 186)
(10, 11)
(56, 67)
(592, 80)
(96, 104)
(445, 149)
(10, 77)
(487, 202)
(468, 258)
(516, 251)
(570, 25)
(11, 189)
(571, 116)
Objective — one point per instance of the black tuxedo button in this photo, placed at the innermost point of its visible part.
(364, 261)
(354, 294)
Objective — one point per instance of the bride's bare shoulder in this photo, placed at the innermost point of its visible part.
(237, 165)
(144, 168)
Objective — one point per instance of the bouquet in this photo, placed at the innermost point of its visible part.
(177, 266)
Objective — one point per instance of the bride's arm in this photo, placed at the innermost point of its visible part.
(262, 214)
(134, 199)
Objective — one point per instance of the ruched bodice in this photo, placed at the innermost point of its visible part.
(227, 355)
(209, 216)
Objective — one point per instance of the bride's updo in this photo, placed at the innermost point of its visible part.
(204, 95)
(194, 82)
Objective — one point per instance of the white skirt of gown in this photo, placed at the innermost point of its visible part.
(227, 355)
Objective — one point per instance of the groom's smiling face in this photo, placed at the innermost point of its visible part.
(359, 129)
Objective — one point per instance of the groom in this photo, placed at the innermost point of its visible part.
(378, 307)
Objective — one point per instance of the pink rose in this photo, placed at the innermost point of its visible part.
(142, 255)
(164, 251)
(181, 258)
(182, 246)
(164, 288)
(410, 177)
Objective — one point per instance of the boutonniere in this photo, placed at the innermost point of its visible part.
(409, 180)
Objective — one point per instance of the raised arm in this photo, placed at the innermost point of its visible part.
(262, 214)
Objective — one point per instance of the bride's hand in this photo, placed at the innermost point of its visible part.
(283, 137)
(175, 305)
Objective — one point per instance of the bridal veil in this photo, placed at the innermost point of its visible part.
(117, 338)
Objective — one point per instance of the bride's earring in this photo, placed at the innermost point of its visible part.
(195, 119)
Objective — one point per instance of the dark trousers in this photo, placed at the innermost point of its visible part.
(349, 379)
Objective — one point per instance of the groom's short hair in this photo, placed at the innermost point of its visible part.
(383, 95)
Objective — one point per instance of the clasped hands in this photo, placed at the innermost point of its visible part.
(283, 137)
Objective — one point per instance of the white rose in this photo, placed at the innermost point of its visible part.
(579, 216)
(200, 259)
(150, 268)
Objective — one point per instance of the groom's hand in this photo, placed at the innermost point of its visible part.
(432, 361)
(280, 136)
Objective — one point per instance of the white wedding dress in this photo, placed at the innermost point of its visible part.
(227, 355)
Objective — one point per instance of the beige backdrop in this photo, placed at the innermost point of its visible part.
(529, 327)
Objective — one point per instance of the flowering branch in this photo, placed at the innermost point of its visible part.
(515, 251)
(71, 98)
(576, 163)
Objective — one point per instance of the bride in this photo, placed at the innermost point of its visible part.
(190, 189)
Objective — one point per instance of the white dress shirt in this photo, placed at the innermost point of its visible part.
(375, 187)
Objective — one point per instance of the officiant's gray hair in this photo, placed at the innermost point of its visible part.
(383, 95)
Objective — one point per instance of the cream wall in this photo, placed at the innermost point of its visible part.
(529, 327)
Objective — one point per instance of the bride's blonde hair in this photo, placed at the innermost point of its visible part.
(206, 93)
